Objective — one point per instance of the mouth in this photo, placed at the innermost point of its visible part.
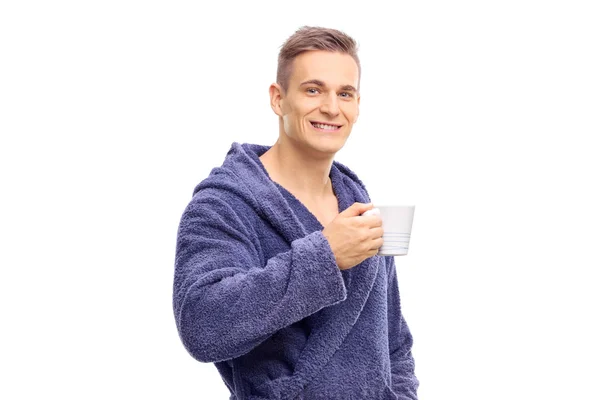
(325, 126)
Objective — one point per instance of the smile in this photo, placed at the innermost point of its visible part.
(325, 127)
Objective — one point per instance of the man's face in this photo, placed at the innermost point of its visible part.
(321, 103)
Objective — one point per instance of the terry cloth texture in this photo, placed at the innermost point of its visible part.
(258, 293)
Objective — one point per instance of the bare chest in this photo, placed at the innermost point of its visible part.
(325, 211)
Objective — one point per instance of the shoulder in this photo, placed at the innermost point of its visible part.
(221, 197)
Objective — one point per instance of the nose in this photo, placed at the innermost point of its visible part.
(330, 105)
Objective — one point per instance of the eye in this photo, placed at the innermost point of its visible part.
(347, 95)
(312, 90)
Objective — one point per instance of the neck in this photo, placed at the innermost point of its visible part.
(298, 170)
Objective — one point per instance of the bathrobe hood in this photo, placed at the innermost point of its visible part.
(243, 173)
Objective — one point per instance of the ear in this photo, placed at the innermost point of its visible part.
(357, 107)
(276, 94)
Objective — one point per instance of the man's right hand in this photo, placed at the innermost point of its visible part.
(353, 237)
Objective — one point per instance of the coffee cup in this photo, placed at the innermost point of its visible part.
(397, 225)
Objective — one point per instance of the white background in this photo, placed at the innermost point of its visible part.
(483, 114)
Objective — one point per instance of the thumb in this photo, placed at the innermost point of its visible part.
(357, 209)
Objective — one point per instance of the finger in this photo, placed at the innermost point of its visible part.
(376, 233)
(372, 211)
(356, 209)
(375, 221)
(370, 221)
(373, 252)
(376, 244)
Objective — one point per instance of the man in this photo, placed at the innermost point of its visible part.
(277, 280)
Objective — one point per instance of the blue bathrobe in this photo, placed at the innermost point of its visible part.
(257, 292)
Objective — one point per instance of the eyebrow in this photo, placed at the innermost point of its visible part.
(322, 84)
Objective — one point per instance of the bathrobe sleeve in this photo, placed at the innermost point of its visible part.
(225, 299)
(404, 381)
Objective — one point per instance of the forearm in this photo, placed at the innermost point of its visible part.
(227, 308)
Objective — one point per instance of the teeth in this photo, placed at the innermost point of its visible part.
(323, 126)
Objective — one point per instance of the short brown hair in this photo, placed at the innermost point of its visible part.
(313, 38)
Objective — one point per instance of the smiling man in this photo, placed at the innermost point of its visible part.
(277, 281)
(317, 103)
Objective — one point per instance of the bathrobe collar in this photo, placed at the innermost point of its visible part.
(243, 161)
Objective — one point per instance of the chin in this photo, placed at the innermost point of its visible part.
(328, 148)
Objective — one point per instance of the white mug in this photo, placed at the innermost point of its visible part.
(397, 225)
